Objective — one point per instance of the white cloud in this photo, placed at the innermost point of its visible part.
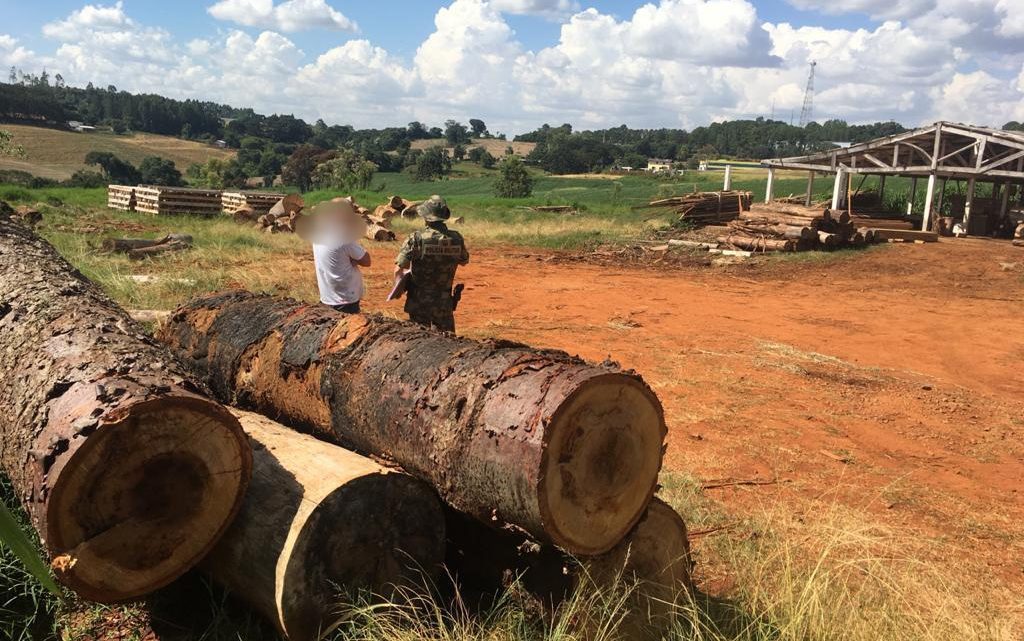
(289, 16)
(547, 8)
(670, 63)
(1012, 23)
(879, 9)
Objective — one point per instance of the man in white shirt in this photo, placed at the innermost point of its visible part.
(332, 229)
(338, 275)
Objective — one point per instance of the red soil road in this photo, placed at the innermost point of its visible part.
(890, 380)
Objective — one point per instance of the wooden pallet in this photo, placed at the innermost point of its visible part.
(165, 201)
(121, 197)
(260, 202)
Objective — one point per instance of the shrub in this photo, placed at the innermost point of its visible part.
(347, 172)
(514, 181)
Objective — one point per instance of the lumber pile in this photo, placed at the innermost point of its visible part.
(280, 218)
(787, 227)
(129, 473)
(164, 201)
(255, 203)
(121, 197)
(139, 248)
(708, 207)
(566, 451)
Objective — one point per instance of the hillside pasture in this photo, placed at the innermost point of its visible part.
(58, 153)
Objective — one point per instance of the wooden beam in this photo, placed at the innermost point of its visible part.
(970, 204)
(837, 189)
(913, 196)
(770, 186)
(881, 188)
(727, 184)
(928, 196)
(1001, 161)
(877, 161)
(810, 189)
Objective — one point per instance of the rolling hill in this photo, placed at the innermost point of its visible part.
(54, 153)
(495, 147)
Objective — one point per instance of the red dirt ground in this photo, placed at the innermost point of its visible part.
(891, 380)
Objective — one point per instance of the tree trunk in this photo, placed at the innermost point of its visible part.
(568, 451)
(320, 523)
(129, 473)
(654, 556)
(127, 245)
(752, 243)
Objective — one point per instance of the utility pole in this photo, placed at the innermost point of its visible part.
(807, 113)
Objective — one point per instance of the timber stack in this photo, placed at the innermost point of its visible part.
(256, 202)
(787, 227)
(121, 197)
(537, 440)
(129, 473)
(706, 208)
(280, 218)
(164, 201)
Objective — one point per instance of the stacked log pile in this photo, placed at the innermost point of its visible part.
(708, 207)
(163, 201)
(280, 218)
(787, 227)
(257, 202)
(121, 197)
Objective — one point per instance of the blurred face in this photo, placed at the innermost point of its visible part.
(334, 225)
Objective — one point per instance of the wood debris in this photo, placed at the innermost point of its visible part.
(706, 207)
(139, 248)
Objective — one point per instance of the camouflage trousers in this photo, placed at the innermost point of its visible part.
(432, 312)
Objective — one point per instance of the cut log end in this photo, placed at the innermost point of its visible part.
(145, 497)
(601, 465)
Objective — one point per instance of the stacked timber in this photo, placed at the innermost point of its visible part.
(708, 207)
(534, 440)
(788, 227)
(256, 202)
(129, 473)
(121, 197)
(320, 525)
(165, 201)
(280, 218)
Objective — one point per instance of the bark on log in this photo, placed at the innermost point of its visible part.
(129, 474)
(319, 524)
(827, 240)
(127, 245)
(752, 243)
(565, 450)
(378, 233)
(768, 218)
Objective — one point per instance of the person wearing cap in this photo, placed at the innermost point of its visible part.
(332, 229)
(433, 254)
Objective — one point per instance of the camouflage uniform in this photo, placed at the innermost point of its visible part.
(434, 253)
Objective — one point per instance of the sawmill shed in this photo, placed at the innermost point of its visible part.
(932, 155)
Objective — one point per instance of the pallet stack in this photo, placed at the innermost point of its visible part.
(707, 207)
(258, 202)
(163, 201)
(121, 197)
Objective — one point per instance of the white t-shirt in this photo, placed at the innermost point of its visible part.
(340, 282)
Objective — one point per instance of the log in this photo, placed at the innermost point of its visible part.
(900, 234)
(753, 243)
(129, 473)
(565, 450)
(827, 240)
(320, 524)
(379, 233)
(125, 245)
(654, 556)
(768, 218)
(1017, 242)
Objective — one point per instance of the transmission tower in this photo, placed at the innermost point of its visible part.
(807, 113)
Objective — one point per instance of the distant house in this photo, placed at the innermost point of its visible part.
(75, 125)
(220, 144)
(659, 166)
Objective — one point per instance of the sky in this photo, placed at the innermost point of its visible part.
(517, 64)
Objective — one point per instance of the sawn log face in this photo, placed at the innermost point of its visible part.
(129, 473)
(565, 450)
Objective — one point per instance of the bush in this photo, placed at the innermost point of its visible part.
(432, 164)
(86, 178)
(482, 157)
(347, 172)
(514, 181)
(115, 169)
(159, 171)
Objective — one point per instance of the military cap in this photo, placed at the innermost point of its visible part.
(434, 209)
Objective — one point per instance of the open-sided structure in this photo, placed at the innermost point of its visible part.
(941, 151)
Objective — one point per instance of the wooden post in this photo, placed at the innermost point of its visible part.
(1004, 205)
(928, 196)
(727, 185)
(768, 190)
(881, 188)
(837, 189)
(810, 189)
(969, 205)
(913, 196)
(942, 197)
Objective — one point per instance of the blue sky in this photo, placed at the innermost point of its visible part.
(523, 62)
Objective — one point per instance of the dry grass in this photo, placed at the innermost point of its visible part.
(494, 147)
(54, 153)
